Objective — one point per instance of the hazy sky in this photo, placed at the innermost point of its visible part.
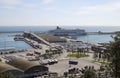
(60, 12)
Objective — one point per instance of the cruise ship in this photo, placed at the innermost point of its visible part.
(66, 32)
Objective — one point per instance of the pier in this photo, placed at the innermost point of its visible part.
(36, 38)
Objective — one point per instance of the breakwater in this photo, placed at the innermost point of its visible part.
(11, 32)
(97, 38)
(98, 33)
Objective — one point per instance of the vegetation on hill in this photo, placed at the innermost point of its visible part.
(115, 54)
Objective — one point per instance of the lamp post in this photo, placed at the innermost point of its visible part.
(116, 67)
(5, 45)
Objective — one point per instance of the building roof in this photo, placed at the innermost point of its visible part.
(51, 38)
(5, 67)
(22, 64)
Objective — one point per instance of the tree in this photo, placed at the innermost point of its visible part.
(6, 76)
(95, 56)
(66, 74)
(89, 74)
(115, 53)
(108, 57)
(100, 55)
(104, 57)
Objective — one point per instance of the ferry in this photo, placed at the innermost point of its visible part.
(66, 32)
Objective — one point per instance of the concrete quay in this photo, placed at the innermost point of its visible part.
(35, 38)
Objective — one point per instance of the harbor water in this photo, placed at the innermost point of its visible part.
(7, 40)
(98, 38)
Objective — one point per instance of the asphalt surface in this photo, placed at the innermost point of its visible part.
(63, 65)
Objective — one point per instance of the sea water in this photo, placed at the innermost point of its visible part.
(46, 28)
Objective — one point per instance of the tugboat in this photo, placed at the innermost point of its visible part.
(18, 38)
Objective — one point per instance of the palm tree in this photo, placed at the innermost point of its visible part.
(104, 57)
(108, 57)
(79, 51)
(99, 56)
(95, 55)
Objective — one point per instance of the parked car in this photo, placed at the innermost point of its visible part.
(29, 54)
(55, 61)
(52, 61)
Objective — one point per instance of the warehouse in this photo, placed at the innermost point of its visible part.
(30, 69)
(52, 39)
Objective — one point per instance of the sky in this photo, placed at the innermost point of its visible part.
(60, 12)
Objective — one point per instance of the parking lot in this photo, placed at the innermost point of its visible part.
(63, 65)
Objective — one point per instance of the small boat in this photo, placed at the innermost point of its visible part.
(7, 50)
